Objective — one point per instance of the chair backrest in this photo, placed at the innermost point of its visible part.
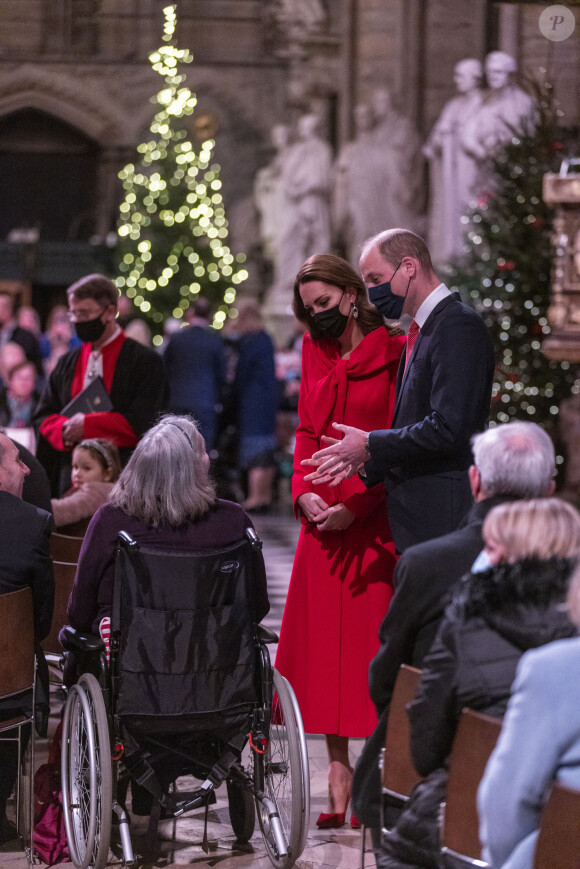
(399, 774)
(474, 741)
(65, 548)
(64, 575)
(558, 845)
(185, 625)
(17, 661)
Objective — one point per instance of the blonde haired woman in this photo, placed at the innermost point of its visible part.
(514, 603)
(539, 743)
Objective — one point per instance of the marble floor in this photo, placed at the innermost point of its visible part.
(339, 849)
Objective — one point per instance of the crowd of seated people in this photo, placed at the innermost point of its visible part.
(511, 602)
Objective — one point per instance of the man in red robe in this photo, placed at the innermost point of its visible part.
(133, 376)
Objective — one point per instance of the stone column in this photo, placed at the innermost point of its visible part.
(562, 192)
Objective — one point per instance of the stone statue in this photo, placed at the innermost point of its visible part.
(394, 168)
(294, 19)
(270, 198)
(354, 187)
(506, 109)
(452, 168)
(306, 178)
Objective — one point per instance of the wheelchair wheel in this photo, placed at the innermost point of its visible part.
(287, 777)
(86, 773)
(242, 811)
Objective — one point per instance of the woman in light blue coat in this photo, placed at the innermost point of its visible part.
(539, 742)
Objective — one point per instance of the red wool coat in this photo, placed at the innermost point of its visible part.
(341, 582)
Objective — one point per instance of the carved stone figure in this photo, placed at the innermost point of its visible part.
(270, 198)
(287, 21)
(354, 187)
(505, 110)
(453, 169)
(306, 177)
(394, 167)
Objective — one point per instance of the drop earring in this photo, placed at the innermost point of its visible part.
(354, 311)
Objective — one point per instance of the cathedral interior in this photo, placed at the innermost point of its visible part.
(75, 100)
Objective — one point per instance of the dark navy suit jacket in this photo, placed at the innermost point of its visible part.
(442, 400)
(25, 557)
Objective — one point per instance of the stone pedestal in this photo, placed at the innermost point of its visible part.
(563, 194)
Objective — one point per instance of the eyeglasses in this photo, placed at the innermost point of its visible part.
(83, 316)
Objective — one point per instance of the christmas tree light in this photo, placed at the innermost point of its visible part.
(173, 228)
(507, 276)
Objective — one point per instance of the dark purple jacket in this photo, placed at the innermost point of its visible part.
(92, 595)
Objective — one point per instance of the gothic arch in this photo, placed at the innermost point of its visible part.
(57, 95)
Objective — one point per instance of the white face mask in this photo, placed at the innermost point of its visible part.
(481, 563)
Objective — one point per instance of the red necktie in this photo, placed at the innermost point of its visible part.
(411, 338)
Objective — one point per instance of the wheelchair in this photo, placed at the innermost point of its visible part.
(189, 684)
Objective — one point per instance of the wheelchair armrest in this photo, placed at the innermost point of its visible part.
(266, 635)
(77, 641)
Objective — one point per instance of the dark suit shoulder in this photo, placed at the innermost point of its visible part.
(135, 351)
(453, 308)
(14, 511)
(17, 506)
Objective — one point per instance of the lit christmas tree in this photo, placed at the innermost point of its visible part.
(173, 228)
(507, 276)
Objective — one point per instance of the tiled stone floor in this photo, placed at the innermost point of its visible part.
(325, 849)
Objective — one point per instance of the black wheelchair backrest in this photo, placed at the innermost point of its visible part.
(183, 632)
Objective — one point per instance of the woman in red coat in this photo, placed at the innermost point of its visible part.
(341, 581)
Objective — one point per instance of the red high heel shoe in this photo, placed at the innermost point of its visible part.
(331, 820)
(354, 822)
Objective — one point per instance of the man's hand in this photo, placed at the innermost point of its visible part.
(341, 459)
(336, 518)
(73, 430)
(313, 506)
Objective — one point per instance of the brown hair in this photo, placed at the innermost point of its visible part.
(96, 287)
(105, 453)
(336, 272)
(19, 365)
(394, 244)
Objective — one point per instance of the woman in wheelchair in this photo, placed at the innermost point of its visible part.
(189, 688)
(165, 500)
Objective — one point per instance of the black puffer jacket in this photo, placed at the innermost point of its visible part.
(492, 619)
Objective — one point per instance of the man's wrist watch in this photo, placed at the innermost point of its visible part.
(367, 445)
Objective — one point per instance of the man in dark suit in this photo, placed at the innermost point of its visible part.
(195, 362)
(443, 396)
(510, 461)
(24, 561)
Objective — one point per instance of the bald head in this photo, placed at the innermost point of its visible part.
(12, 470)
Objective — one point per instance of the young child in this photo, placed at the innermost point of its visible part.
(95, 467)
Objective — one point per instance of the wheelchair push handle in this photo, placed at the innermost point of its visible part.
(126, 541)
(255, 541)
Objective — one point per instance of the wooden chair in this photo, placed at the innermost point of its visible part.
(64, 574)
(474, 742)
(558, 845)
(18, 677)
(65, 548)
(399, 776)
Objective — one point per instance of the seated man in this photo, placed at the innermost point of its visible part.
(511, 461)
(133, 376)
(24, 561)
